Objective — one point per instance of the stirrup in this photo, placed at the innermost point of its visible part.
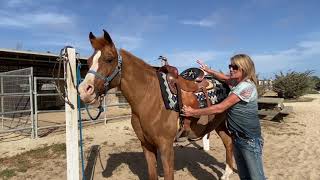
(192, 137)
(178, 135)
(181, 136)
(181, 139)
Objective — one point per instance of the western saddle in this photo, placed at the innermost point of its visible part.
(184, 86)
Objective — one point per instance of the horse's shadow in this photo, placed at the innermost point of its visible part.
(189, 158)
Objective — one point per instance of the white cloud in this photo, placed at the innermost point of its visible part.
(188, 58)
(209, 21)
(129, 42)
(45, 28)
(28, 20)
(27, 3)
(315, 35)
(303, 50)
(135, 22)
(17, 3)
(202, 23)
(131, 26)
(298, 58)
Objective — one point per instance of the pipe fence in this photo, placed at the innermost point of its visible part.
(31, 106)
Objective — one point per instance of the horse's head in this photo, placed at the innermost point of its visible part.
(104, 70)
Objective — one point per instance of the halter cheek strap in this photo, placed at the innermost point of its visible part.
(108, 79)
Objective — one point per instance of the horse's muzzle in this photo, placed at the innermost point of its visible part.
(88, 95)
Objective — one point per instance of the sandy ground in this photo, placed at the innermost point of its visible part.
(291, 151)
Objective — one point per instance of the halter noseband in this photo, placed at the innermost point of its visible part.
(108, 79)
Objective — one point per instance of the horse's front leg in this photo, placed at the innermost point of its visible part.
(227, 141)
(167, 159)
(150, 153)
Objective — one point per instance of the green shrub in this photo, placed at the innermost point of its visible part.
(316, 81)
(292, 84)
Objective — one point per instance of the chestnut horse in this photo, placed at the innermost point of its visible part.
(154, 125)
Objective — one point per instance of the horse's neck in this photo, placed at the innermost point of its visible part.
(136, 78)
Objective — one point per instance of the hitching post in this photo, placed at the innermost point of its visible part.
(72, 136)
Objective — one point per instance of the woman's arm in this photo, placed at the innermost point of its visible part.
(231, 100)
(218, 75)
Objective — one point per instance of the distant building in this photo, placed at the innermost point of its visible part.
(267, 83)
(42, 66)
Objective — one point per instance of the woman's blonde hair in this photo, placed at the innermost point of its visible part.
(245, 63)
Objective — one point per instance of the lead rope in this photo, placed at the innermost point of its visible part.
(80, 128)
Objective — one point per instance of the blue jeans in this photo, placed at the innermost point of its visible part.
(248, 156)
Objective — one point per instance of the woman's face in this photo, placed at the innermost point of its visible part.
(235, 72)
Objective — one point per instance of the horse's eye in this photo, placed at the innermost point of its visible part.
(107, 60)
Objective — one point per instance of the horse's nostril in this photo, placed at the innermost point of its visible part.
(89, 89)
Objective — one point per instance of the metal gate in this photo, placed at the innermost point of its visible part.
(17, 101)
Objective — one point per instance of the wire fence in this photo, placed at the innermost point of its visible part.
(31, 106)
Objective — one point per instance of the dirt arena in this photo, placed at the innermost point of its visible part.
(291, 151)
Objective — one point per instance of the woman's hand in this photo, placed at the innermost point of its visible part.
(203, 66)
(188, 111)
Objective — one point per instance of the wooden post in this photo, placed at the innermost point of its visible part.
(72, 136)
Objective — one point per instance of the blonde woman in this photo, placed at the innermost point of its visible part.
(242, 113)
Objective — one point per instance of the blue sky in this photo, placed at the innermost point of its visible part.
(279, 35)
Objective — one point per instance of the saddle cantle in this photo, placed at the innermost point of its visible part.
(193, 74)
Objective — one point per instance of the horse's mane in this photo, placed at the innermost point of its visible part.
(138, 60)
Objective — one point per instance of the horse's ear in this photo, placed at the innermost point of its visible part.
(91, 36)
(107, 37)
